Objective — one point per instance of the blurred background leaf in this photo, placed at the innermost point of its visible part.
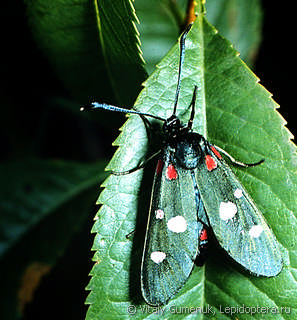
(92, 46)
(40, 188)
(43, 205)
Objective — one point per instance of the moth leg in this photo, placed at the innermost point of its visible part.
(140, 166)
(238, 163)
(208, 147)
(147, 124)
(148, 128)
(133, 232)
(130, 234)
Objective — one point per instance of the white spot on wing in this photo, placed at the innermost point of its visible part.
(158, 256)
(227, 210)
(238, 193)
(256, 231)
(177, 224)
(159, 214)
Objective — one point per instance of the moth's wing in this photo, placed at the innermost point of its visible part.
(172, 236)
(237, 223)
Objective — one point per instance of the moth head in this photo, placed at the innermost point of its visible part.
(173, 128)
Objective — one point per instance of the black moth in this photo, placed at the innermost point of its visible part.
(178, 218)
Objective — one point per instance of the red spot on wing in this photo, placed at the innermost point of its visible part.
(159, 166)
(216, 152)
(210, 162)
(203, 235)
(171, 173)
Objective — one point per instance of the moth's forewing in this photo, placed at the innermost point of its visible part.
(172, 236)
(237, 223)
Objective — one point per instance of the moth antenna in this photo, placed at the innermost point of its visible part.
(181, 62)
(109, 107)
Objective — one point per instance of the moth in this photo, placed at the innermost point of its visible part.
(194, 191)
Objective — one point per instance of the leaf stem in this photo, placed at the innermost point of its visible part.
(190, 13)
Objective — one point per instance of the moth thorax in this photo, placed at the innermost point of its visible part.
(188, 153)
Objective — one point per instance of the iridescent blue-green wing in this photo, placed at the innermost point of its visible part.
(237, 223)
(172, 236)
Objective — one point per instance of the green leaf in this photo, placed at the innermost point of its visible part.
(236, 113)
(237, 20)
(92, 46)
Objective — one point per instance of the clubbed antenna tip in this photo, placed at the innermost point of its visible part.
(96, 105)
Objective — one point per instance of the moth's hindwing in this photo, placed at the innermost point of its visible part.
(237, 223)
(172, 237)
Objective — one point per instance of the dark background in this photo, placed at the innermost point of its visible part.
(28, 82)
(276, 65)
